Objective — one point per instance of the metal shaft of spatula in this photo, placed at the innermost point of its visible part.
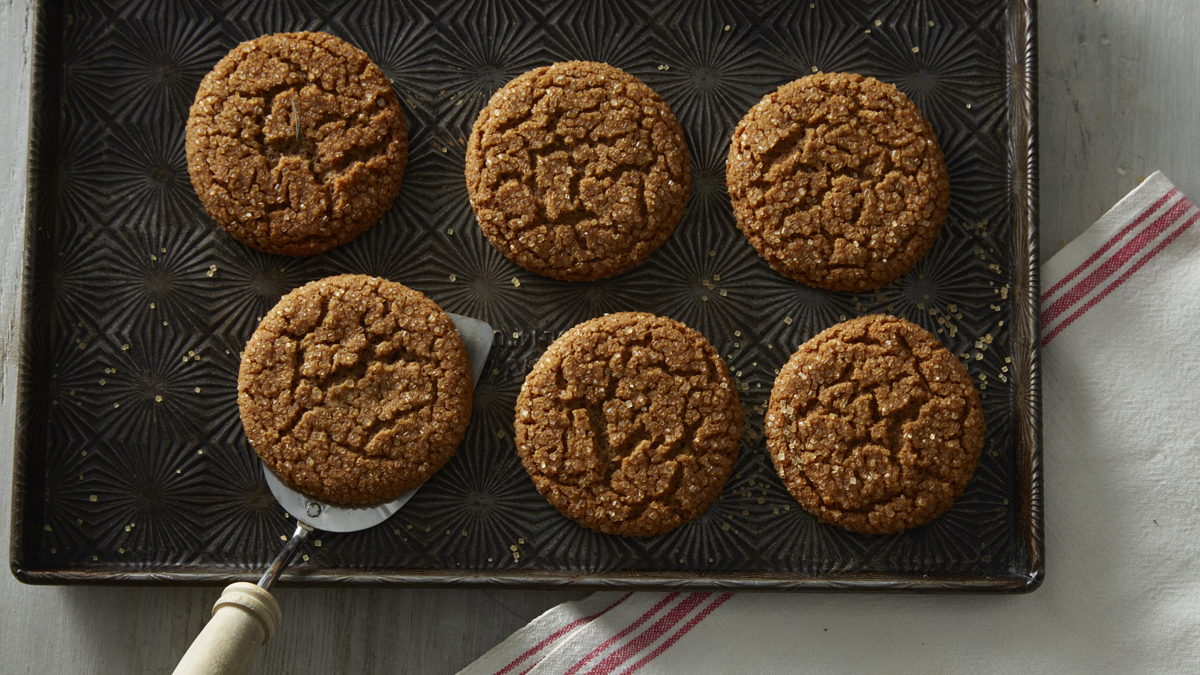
(285, 556)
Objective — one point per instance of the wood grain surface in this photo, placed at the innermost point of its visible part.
(1118, 100)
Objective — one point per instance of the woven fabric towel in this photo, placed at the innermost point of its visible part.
(1122, 464)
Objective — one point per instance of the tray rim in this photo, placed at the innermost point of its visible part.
(1021, 63)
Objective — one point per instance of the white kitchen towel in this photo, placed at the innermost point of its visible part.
(1122, 493)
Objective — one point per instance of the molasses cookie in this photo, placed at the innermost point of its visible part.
(838, 181)
(874, 426)
(296, 143)
(355, 389)
(629, 424)
(577, 171)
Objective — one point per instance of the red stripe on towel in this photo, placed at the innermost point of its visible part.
(1114, 263)
(1111, 242)
(700, 616)
(1120, 280)
(628, 629)
(649, 636)
(557, 634)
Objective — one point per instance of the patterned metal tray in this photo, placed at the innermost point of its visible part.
(131, 462)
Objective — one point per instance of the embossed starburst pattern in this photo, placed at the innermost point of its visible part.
(400, 40)
(485, 45)
(133, 460)
(807, 38)
(157, 60)
(605, 31)
(710, 71)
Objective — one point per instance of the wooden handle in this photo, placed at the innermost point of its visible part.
(244, 618)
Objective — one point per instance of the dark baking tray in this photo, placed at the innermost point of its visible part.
(131, 465)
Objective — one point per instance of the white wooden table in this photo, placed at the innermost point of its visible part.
(1119, 99)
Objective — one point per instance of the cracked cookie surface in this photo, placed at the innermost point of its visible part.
(355, 389)
(296, 143)
(629, 424)
(838, 181)
(577, 171)
(874, 426)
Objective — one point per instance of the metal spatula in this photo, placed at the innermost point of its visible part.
(246, 615)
